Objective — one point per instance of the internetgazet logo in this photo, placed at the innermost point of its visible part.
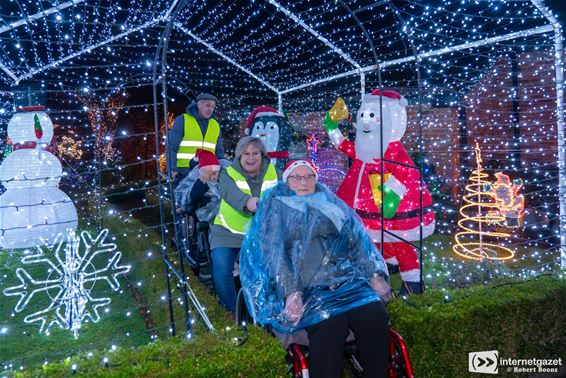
(483, 362)
(488, 362)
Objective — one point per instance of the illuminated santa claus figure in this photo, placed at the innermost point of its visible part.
(398, 200)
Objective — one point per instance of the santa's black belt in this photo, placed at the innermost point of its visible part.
(398, 216)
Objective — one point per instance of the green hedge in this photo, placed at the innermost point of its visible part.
(520, 320)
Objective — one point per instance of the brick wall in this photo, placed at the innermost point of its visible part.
(490, 111)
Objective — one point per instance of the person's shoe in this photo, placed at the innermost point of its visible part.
(231, 316)
(192, 262)
(409, 287)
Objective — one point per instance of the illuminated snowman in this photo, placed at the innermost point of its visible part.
(33, 210)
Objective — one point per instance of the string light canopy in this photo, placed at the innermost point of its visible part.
(283, 45)
(472, 71)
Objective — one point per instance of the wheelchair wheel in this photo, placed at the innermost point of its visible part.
(297, 360)
(242, 314)
(399, 365)
(190, 244)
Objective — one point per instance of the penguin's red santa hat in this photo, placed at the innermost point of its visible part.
(260, 111)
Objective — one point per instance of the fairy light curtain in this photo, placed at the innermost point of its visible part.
(485, 73)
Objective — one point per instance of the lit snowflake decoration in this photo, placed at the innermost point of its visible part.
(69, 281)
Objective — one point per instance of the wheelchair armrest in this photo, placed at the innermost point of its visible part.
(242, 314)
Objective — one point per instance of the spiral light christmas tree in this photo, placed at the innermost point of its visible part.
(33, 211)
(477, 219)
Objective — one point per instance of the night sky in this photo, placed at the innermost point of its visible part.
(559, 8)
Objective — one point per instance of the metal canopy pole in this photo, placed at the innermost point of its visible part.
(39, 15)
(559, 65)
(559, 57)
(186, 291)
(9, 72)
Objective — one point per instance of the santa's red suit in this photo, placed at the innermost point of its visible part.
(356, 192)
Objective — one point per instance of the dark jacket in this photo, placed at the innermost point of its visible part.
(197, 195)
(176, 136)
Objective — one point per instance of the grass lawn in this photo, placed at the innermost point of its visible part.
(138, 313)
(444, 268)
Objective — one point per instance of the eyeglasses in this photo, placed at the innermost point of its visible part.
(297, 179)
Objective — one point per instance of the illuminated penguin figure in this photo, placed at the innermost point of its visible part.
(275, 132)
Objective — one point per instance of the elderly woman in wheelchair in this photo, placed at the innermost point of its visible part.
(307, 264)
(197, 197)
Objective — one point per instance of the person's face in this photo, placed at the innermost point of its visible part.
(251, 159)
(206, 108)
(214, 174)
(302, 180)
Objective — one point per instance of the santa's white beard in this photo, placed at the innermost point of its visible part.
(367, 149)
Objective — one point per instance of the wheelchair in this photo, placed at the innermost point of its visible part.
(198, 253)
(398, 365)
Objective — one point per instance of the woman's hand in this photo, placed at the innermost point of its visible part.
(251, 204)
(206, 174)
(294, 307)
(381, 287)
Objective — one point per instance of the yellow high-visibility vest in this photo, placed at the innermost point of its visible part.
(236, 221)
(193, 139)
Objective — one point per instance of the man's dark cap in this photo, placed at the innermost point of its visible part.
(206, 96)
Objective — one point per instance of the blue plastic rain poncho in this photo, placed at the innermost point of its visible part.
(314, 245)
(183, 199)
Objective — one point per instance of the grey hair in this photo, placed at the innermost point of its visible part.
(245, 142)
